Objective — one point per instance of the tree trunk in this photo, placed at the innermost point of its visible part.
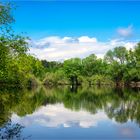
(74, 80)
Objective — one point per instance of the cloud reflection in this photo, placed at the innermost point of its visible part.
(57, 115)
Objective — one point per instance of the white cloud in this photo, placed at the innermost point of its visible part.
(86, 39)
(57, 115)
(61, 48)
(125, 32)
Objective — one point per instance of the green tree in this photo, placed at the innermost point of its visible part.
(16, 65)
(109, 57)
(89, 65)
(6, 17)
(120, 54)
(133, 65)
(72, 69)
(117, 60)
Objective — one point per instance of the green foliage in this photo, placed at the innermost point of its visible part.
(101, 80)
(6, 18)
(51, 66)
(133, 65)
(109, 57)
(123, 64)
(89, 65)
(57, 78)
(118, 54)
(5, 14)
(119, 66)
(72, 69)
(16, 65)
(11, 50)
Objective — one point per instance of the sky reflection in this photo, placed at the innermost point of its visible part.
(57, 119)
(57, 115)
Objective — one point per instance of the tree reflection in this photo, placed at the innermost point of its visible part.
(11, 131)
(21, 102)
(119, 104)
(127, 107)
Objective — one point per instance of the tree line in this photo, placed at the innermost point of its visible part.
(18, 67)
(119, 66)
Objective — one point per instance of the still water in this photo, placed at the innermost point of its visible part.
(65, 113)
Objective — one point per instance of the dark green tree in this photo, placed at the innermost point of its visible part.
(72, 69)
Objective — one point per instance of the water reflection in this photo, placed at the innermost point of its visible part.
(57, 115)
(11, 131)
(67, 107)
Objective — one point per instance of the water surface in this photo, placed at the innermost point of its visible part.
(70, 113)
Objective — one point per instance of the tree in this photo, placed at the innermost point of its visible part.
(137, 52)
(16, 65)
(72, 69)
(6, 17)
(11, 51)
(51, 66)
(89, 65)
(117, 60)
(133, 65)
(120, 54)
(109, 57)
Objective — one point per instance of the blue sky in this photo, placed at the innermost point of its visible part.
(100, 19)
(61, 22)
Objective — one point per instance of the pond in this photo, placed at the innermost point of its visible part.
(69, 113)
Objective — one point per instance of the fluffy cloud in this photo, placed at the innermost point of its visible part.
(61, 48)
(57, 115)
(125, 32)
(86, 39)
